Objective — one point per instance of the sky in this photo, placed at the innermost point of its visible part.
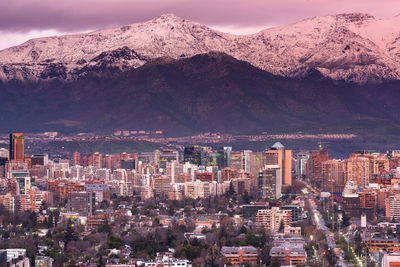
(21, 20)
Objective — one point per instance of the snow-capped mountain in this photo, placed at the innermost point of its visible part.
(351, 47)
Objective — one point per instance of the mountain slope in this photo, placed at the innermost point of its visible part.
(206, 92)
(352, 47)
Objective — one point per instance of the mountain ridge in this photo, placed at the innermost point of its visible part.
(352, 47)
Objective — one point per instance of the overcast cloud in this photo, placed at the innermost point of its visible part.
(24, 19)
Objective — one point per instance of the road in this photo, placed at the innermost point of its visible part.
(319, 222)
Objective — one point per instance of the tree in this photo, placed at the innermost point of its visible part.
(231, 191)
(246, 197)
(281, 226)
(50, 221)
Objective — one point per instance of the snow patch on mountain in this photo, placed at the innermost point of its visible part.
(352, 47)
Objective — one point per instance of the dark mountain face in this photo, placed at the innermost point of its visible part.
(209, 92)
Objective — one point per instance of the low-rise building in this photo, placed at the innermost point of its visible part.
(237, 255)
(288, 253)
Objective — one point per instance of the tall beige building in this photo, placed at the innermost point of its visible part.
(358, 170)
(379, 164)
(271, 219)
(97, 160)
(278, 155)
(238, 160)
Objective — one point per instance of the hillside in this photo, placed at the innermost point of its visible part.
(207, 92)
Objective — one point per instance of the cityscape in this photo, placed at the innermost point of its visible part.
(199, 206)
(187, 133)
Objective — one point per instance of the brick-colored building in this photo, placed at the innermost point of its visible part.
(238, 255)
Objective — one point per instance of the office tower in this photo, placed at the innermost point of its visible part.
(17, 146)
(278, 155)
(314, 165)
(227, 155)
(270, 182)
(257, 162)
(301, 164)
(237, 160)
(246, 154)
(76, 160)
(97, 160)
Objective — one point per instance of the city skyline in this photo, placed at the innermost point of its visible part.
(143, 133)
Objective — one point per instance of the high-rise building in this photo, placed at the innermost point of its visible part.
(333, 176)
(97, 160)
(17, 146)
(392, 208)
(301, 164)
(246, 154)
(278, 155)
(227, 155)
(378, 164)
(76, 158)
(368, 203)
(257, 162)
(358, 170)
(237, 160)
(161, 185)
(314, 165)
(270, 182)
